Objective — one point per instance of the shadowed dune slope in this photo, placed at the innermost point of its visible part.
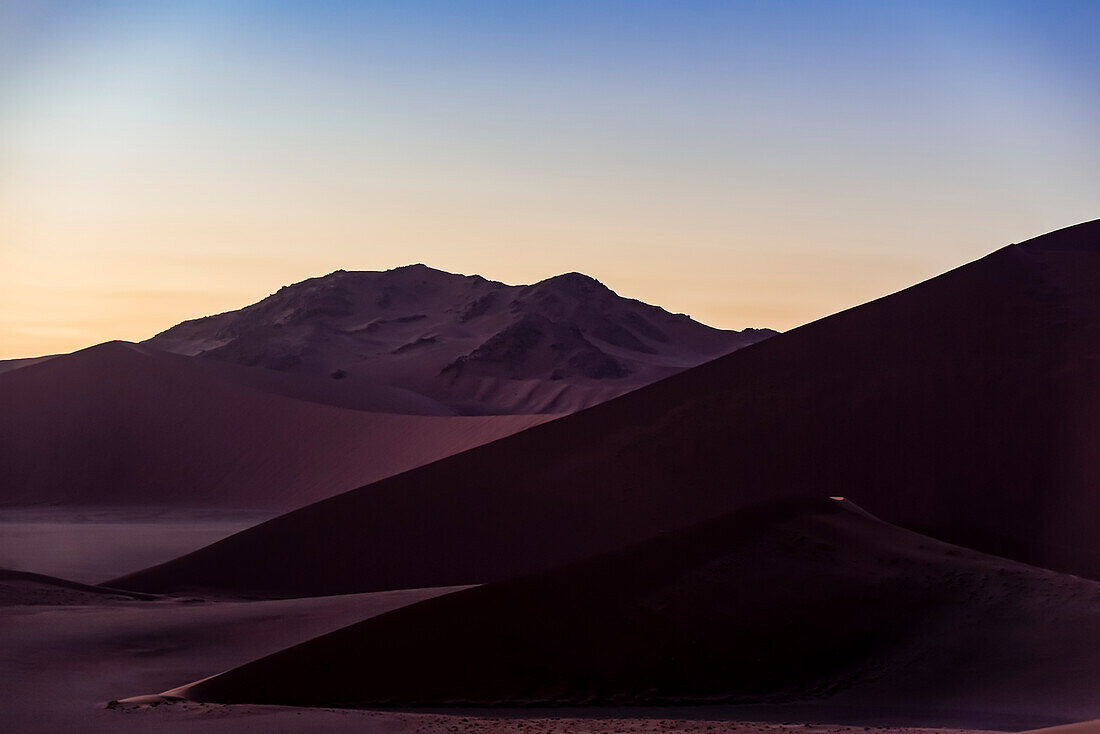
(966, 407)
(788, 601)
(7, 365)
(119, 424)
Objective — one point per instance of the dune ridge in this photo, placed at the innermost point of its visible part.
(793, 601)
(963, 407)
(122, 424)
(22, 587)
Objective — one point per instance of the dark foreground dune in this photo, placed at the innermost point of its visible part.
(966, 407)
(806, 600)
(60, 666)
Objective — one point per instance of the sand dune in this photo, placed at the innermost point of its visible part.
(476, 345)
(121, 425)
(61, 665)
(801, 600)
(1080, 727)
(22, 588)
(966, 407)
(90, 544)
(7, 365)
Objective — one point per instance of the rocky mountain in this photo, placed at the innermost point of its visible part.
(477, 345)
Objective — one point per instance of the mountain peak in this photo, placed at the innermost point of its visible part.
(573, 282)
(420, 269)
(475, 345)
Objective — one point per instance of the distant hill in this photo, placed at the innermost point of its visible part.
(123, 425)
(476, 345)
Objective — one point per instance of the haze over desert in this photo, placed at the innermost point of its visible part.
(554, 366)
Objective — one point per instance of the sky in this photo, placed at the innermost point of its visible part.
(747, 163)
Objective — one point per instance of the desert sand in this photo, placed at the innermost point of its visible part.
(217, 718)
(963, 407)
(1080, 727)
(810, 601)
(121, 425)
(92, 544)
(122, 456)
(20, 588)
(668, 560)
(61, 664)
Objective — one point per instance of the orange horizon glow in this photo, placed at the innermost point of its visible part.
(751, 165)
(126, 297)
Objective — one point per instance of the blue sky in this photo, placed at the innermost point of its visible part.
(749, 163)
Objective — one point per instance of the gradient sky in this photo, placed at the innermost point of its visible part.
(748, 163)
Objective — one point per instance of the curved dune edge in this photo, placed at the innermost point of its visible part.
(28, 588)
(173, 695)
(964, 407)
(1081, 727)
(813, 600)
(123, 425)
(155, 699)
